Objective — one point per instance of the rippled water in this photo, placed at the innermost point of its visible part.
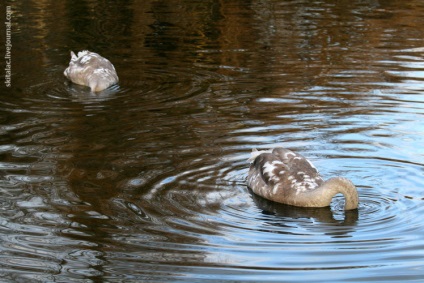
(145, 182)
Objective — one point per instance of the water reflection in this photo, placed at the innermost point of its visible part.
(321, 215)
(146, 181)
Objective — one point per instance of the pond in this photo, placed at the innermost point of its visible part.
(146, 181)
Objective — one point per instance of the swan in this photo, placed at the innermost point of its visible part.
(284, 176)
(92, 70)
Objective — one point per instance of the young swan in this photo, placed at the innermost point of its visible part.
(287, 177)
(92, 70)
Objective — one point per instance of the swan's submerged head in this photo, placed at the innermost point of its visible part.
(344, 186)
(92, 70)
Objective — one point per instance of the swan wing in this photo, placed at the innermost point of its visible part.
(301, 174)
(267, 170)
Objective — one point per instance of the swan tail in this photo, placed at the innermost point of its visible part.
(255, 153)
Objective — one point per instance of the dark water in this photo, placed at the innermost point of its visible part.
(145, 182)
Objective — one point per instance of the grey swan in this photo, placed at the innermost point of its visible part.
(283, 176)
(92, 70)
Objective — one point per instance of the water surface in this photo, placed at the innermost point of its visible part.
(145, 182)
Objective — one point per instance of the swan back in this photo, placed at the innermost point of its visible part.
(92, 70)
(282, 171)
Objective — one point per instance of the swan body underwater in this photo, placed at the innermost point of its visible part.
(92, 70)
(284, 176)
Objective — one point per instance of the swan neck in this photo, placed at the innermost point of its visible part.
(344, 186)
(324, 194)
